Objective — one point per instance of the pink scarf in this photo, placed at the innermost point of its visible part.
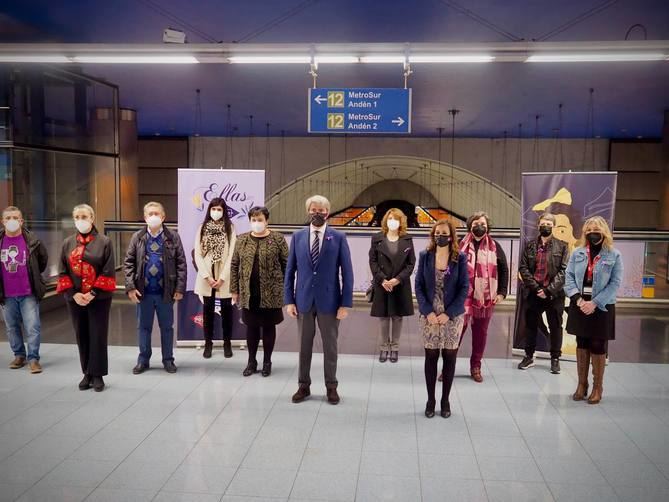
(483, 278)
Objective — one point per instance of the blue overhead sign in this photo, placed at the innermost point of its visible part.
(368, 110)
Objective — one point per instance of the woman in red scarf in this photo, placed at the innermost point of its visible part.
(488, 284)
(87, 281)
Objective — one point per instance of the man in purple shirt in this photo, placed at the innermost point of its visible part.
(23, 259)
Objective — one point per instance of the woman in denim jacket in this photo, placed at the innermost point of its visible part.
(593, 276)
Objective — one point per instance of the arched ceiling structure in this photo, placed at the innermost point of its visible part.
(352, 182)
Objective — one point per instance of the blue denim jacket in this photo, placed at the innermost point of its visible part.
(606, 279)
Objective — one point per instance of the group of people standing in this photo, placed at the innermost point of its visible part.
(458, 283)
(590, 278)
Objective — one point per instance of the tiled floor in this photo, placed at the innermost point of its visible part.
(208, 434)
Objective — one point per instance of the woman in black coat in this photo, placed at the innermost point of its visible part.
(87, 280)
(391, 260)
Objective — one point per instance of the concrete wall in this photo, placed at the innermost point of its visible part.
(159, 159)
(641, 164)
(640, 168)
(294, 157)
(291, 158)
(495, 160)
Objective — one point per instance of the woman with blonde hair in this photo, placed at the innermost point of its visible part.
(442, 284)
(391, 260)
(87, 280)
(593, 276)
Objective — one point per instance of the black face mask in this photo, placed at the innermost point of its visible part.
(443, 240)
(594, 238)
(545, 230)
(479, 230)
(317, 219)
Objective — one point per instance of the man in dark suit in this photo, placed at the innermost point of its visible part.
(318, 254)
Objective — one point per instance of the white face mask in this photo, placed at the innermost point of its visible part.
(154, 221)
(258, 227)
(12, 226)
(393, 224)
(216, 214)
(84, 226)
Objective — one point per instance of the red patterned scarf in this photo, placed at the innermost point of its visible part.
(80, 268)
(483, 278)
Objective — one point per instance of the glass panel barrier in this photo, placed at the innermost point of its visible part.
(47, 185)
(60, 109)
(645, 254)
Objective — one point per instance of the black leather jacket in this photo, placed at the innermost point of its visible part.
(558, 256)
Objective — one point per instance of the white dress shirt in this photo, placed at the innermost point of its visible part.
(321, 234)
(158, 231)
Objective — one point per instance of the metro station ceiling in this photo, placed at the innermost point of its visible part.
(628, 100)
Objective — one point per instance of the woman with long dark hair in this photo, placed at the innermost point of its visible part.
(214, 245)
(442, 283)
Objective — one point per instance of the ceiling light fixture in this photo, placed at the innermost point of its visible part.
(336, 59)
(595, 57)
(383, 58)
(451, 58)
(270, 59)
(33, 58)
(136, 59)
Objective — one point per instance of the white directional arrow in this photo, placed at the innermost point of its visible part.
(398, 121)
(319, 99)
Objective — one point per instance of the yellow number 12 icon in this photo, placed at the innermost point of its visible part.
(335, 120)
(335, 99)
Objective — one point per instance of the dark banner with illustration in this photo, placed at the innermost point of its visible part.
(572, 198)
(241, 190)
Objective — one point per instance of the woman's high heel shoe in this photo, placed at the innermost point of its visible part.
(445, 409)
(266, 369)
(251, 368)
(429, 409)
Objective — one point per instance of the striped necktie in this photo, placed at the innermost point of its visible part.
(315, 251)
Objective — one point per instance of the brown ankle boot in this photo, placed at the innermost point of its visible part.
(582, 367)
(598, 364)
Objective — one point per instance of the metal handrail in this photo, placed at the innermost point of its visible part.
(504, 233)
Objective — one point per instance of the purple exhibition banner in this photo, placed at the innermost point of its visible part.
(241, 189)
(572, 198)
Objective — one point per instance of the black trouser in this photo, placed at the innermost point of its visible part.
(208, 316)
(91, 327)
(448, 371)
(597, 346)
(554, 309)
(253, 335)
